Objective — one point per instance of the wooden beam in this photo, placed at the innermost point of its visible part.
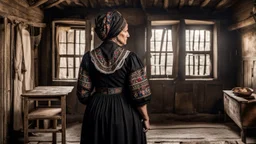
(155, 2)
(54, 4)
(38, 3)
(205, 3)
(117, 2)
(68, 2)
(92, 3)
(77, 2)
(143, 5)
(247, 22)
(223, 3)
(15, 9)
(85, 2)
(166, 4)
(35, 24)
(190, 2)
(182, 2)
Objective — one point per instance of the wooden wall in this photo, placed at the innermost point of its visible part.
(206, 95)
(242, 11)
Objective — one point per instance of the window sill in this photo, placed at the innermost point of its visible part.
(200, 79)
(164, 79)
(67, 80)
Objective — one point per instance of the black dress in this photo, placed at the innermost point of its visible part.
(112, 83)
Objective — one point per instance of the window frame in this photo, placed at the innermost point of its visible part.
(168, 27)
(77, 24)
(200, 27)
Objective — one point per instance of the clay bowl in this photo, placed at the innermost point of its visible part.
(242, 91)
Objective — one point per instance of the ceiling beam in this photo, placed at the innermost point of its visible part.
(117, 2)
(85, 2)
(38, 3)
(205, 3)
(224, 4)
(77, 2)
(190, 2)
(92, 3)
(54, 4)
(166, 4)
(182, 2)
(244, 23)
(68, 2)
(155, 2)
(143, 5)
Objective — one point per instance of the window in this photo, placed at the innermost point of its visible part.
(186, 49)
(161, 51)
(198, 53)
(71, 50)
(69, 46)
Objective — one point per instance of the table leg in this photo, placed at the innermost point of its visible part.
(25, 120)
(243, 135)
(54, 137)
(63, 118)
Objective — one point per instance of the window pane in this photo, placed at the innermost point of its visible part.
(63, 62)
(70, 49)
(82, 49)
(169, 70)
(62, 49)
(77, 71)
(82, 36)
(77, 36)
(62, 36)
(195, 65)
(78, 62)
(63, 73)
(70, 62)
(71, 35)
(169, 48)
(70, 73)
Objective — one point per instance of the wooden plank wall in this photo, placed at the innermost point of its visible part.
(207, 95)
(1, 81)
(19, 9)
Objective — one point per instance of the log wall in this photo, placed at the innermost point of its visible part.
(206, 95)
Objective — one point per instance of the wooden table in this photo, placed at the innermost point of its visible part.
(46, 93)
(241, 111)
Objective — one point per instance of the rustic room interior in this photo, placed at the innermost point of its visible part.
(195, 52)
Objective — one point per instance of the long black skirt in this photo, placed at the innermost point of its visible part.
(110, 119)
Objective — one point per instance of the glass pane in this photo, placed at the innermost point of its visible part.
(82, 36)
(208, 37)
(169, 59)
(70, 73)
(70, 62)
(207, 46)
(62, 49)
(169, 70)
(187, 46)
(71, 36)
(152, 46)
(77, 36)
(169, 35)
(202, 36)
(196, 35)
(157, 70)
(77, 71)
(195, 46)
(201, 47)
(162, 62)
(62, 36)
(63, 62)
(70, 49)
(82, 49)
(187, 35)
(187, 72)
(191, 35)
(158, 34)
(153, 70)
(63, 73)
(78, 62)
(169, 48)
(162, 70)
(77, 49)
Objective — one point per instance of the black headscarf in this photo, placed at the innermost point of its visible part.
(109, 25)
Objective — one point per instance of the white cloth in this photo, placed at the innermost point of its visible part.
(22, 65)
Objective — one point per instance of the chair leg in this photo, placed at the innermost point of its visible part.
(54, 136)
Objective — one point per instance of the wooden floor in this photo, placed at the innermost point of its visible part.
(166, 132)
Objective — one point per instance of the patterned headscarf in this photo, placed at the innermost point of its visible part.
(109, 25)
